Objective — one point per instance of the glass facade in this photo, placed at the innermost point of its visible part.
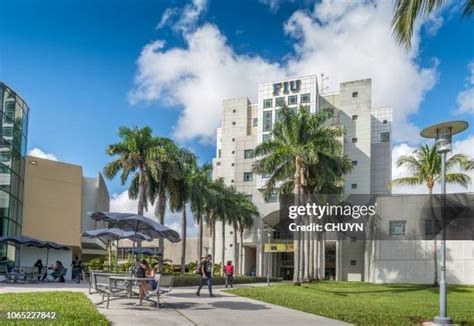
(13, 136)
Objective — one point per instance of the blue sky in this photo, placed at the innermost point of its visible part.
(75, 63)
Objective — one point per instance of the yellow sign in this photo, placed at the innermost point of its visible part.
(279, 247)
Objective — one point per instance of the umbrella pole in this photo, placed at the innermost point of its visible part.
(47, 256)
(116, 254)
(132, 263)
(110, 255)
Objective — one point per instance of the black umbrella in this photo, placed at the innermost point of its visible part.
(110, 234)
(137, 224)
(22, 240)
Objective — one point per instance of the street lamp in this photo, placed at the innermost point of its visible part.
(269, 231)
(442, 133)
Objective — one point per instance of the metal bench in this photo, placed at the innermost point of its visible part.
(106, 287)
(164, 286)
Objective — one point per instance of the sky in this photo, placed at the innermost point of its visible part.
(87, 67)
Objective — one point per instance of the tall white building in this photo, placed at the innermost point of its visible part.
(245, 125)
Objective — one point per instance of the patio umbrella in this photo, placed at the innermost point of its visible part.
(110, 234)
(22, 240)
(137, 224)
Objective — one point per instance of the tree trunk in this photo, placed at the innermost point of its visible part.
(296, 235)
(160, 213)
(183, 241)
(236, 251)
(141, 192)
(223, 248)
(200, 235)
(213, 230)
(241, 252)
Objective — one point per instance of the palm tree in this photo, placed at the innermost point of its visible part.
(136, 152)
(166, 175)
(246, 212)
(215, 208)
(199, 180)
(301, 141)
(186, 165)
(406, 12)
(425, 165)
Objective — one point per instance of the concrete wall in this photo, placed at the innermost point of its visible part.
(52, 204)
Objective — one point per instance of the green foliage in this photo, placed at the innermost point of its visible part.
(216, 269)
(191, 267)
(368, 304)
(95, 264)
(73, 308)
(168, 268)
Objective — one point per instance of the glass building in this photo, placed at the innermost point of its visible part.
(13, 137)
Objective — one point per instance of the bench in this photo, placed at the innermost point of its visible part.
(106, 287)
(164, 286)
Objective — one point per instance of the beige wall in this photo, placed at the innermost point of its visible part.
(52, 201)
(172, 250)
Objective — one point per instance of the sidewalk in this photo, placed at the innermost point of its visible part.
(183, 307)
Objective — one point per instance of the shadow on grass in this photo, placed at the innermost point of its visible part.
(392, 288)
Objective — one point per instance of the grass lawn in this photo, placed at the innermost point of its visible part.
(72, 308)
(368, 304)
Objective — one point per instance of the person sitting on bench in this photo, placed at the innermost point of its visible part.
(57, 271)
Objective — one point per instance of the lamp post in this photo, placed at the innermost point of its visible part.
(442, 133)
(269, 231)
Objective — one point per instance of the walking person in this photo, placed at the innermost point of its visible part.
(229, 274)
(205, 270)
(76, 269)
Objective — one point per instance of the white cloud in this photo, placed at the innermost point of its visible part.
(122, 203)
(465, 99)
(465, 146)
(273, 5)
(39, 153)
(187, 18)
(345, 40)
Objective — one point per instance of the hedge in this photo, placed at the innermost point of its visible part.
(193, 280)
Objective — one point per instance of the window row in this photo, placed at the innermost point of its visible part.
(9, 228)
(12, 114)
(292, 100)
(11, 158)
(11, 183)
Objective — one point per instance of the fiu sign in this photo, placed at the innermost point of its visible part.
(293, 86)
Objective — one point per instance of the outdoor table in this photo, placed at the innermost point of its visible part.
(130, 280)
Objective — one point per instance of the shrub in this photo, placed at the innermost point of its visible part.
(95, 264)
(193, 280)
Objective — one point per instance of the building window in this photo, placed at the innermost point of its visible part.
(248, 176)
(397, 228)
(233, 152)
(384, 122)
(267, 120)
(384, 137)
(267, 103)
(219, 153)
(232, 181)
(233, 139)
(273, 198)
(354, 163)
(355, 94)
(292, 100)
(234, 110)
(233, 123)
(305, 98)
(354, 140)
(354, 117)
(248, 153)
(353, 262)
(233, 164)
(218, 163)
(266, 137)
(255, 122)
(279, 101)
(354, 186)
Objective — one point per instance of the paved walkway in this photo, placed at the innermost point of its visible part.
(182, 307)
